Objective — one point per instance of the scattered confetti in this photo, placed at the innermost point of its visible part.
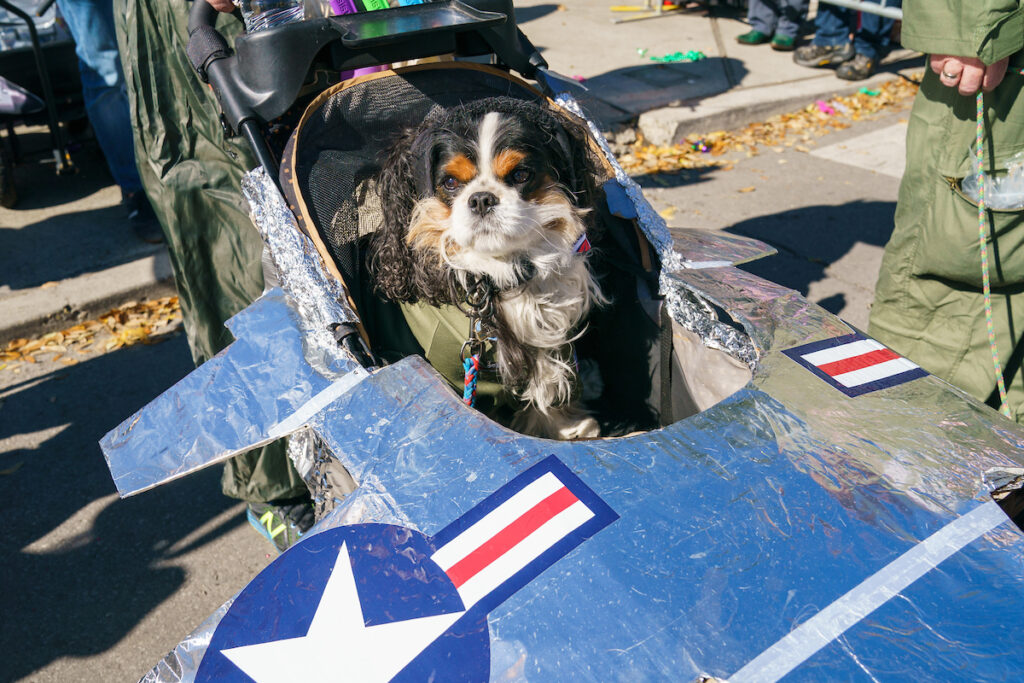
(776, 133)
(578, 78)
(667, 213)
(690, 56)
(136, 323)
(642, 51)
(825, 108)
(748, 189)
(869, 93)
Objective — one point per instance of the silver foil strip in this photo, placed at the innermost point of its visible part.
(713, 249)
(181, 663)
(652, 224)
(318, 299)
(685, 307)
(257, 390)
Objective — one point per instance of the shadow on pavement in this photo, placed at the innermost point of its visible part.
(80, 590)
(525, 14)
(812, 238)
(73, 231)
(639, 89)
(680, 178)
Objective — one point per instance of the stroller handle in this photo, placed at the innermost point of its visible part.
(262, 77)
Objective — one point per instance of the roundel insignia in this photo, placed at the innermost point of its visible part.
(379, 602)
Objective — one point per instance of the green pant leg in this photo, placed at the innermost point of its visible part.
(191, 175)
(928, 303)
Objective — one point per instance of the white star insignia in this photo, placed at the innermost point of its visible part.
(338, 643)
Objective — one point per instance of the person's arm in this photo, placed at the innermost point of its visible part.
(222, 5)
(969, 41)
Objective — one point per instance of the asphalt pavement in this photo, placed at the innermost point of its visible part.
(99, 589)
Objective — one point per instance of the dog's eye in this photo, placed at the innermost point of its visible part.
(449, 183)
(521, 176)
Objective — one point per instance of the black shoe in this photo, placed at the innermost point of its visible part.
(818, 56)
(857, 69)
(142, 218)
(282, 522)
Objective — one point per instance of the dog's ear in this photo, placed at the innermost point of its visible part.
(576, 158)
(404, 178)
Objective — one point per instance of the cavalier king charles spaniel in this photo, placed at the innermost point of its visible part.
(485, 207)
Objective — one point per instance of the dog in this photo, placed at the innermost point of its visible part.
(485, 206)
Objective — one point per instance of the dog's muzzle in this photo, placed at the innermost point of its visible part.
(481, 203)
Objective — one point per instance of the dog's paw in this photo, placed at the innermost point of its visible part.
(584, 428)
(566, 424)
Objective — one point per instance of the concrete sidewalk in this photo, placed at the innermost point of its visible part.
(66, 250)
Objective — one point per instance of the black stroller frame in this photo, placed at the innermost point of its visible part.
(57, 140)
(261, 77)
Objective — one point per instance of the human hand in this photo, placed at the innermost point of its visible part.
(968, 74)
(222, 5)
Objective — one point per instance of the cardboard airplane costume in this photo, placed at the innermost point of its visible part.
(815, 507)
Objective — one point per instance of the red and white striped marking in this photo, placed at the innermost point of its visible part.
(508, 538)
(582, 245)
(859, 362)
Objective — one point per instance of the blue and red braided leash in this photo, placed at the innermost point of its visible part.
(471, 363)
(472, 368)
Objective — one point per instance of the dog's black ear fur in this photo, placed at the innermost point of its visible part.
(404, 178)
(568, 140)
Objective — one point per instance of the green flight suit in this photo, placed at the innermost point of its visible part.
(928, 302)
(191, 175)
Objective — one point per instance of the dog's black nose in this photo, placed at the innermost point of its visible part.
(481, 203)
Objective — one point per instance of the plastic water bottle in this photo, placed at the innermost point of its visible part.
(1002, 191)
(259, 15)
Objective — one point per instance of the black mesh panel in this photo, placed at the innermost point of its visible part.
(338, 147)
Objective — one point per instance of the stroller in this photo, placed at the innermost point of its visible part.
(36, 56)
(333, 154)
(471, 552)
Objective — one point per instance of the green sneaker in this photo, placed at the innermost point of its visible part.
(783, 43)
(282, 522)
(753, 37)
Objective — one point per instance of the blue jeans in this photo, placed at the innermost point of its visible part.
(91, 23)
(833, 26)
(777, 17)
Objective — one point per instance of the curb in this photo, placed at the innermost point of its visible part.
(41, 310)
(737, 108)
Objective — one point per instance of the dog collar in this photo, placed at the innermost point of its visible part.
(582, 245)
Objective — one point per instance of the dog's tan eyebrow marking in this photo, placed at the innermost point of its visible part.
(506, 161)
(461, 168)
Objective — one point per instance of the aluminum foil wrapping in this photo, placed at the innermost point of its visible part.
(652, 224)
(318, 299)
(736, 526)
(789, 530)
(685, 306)
(283, 364)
